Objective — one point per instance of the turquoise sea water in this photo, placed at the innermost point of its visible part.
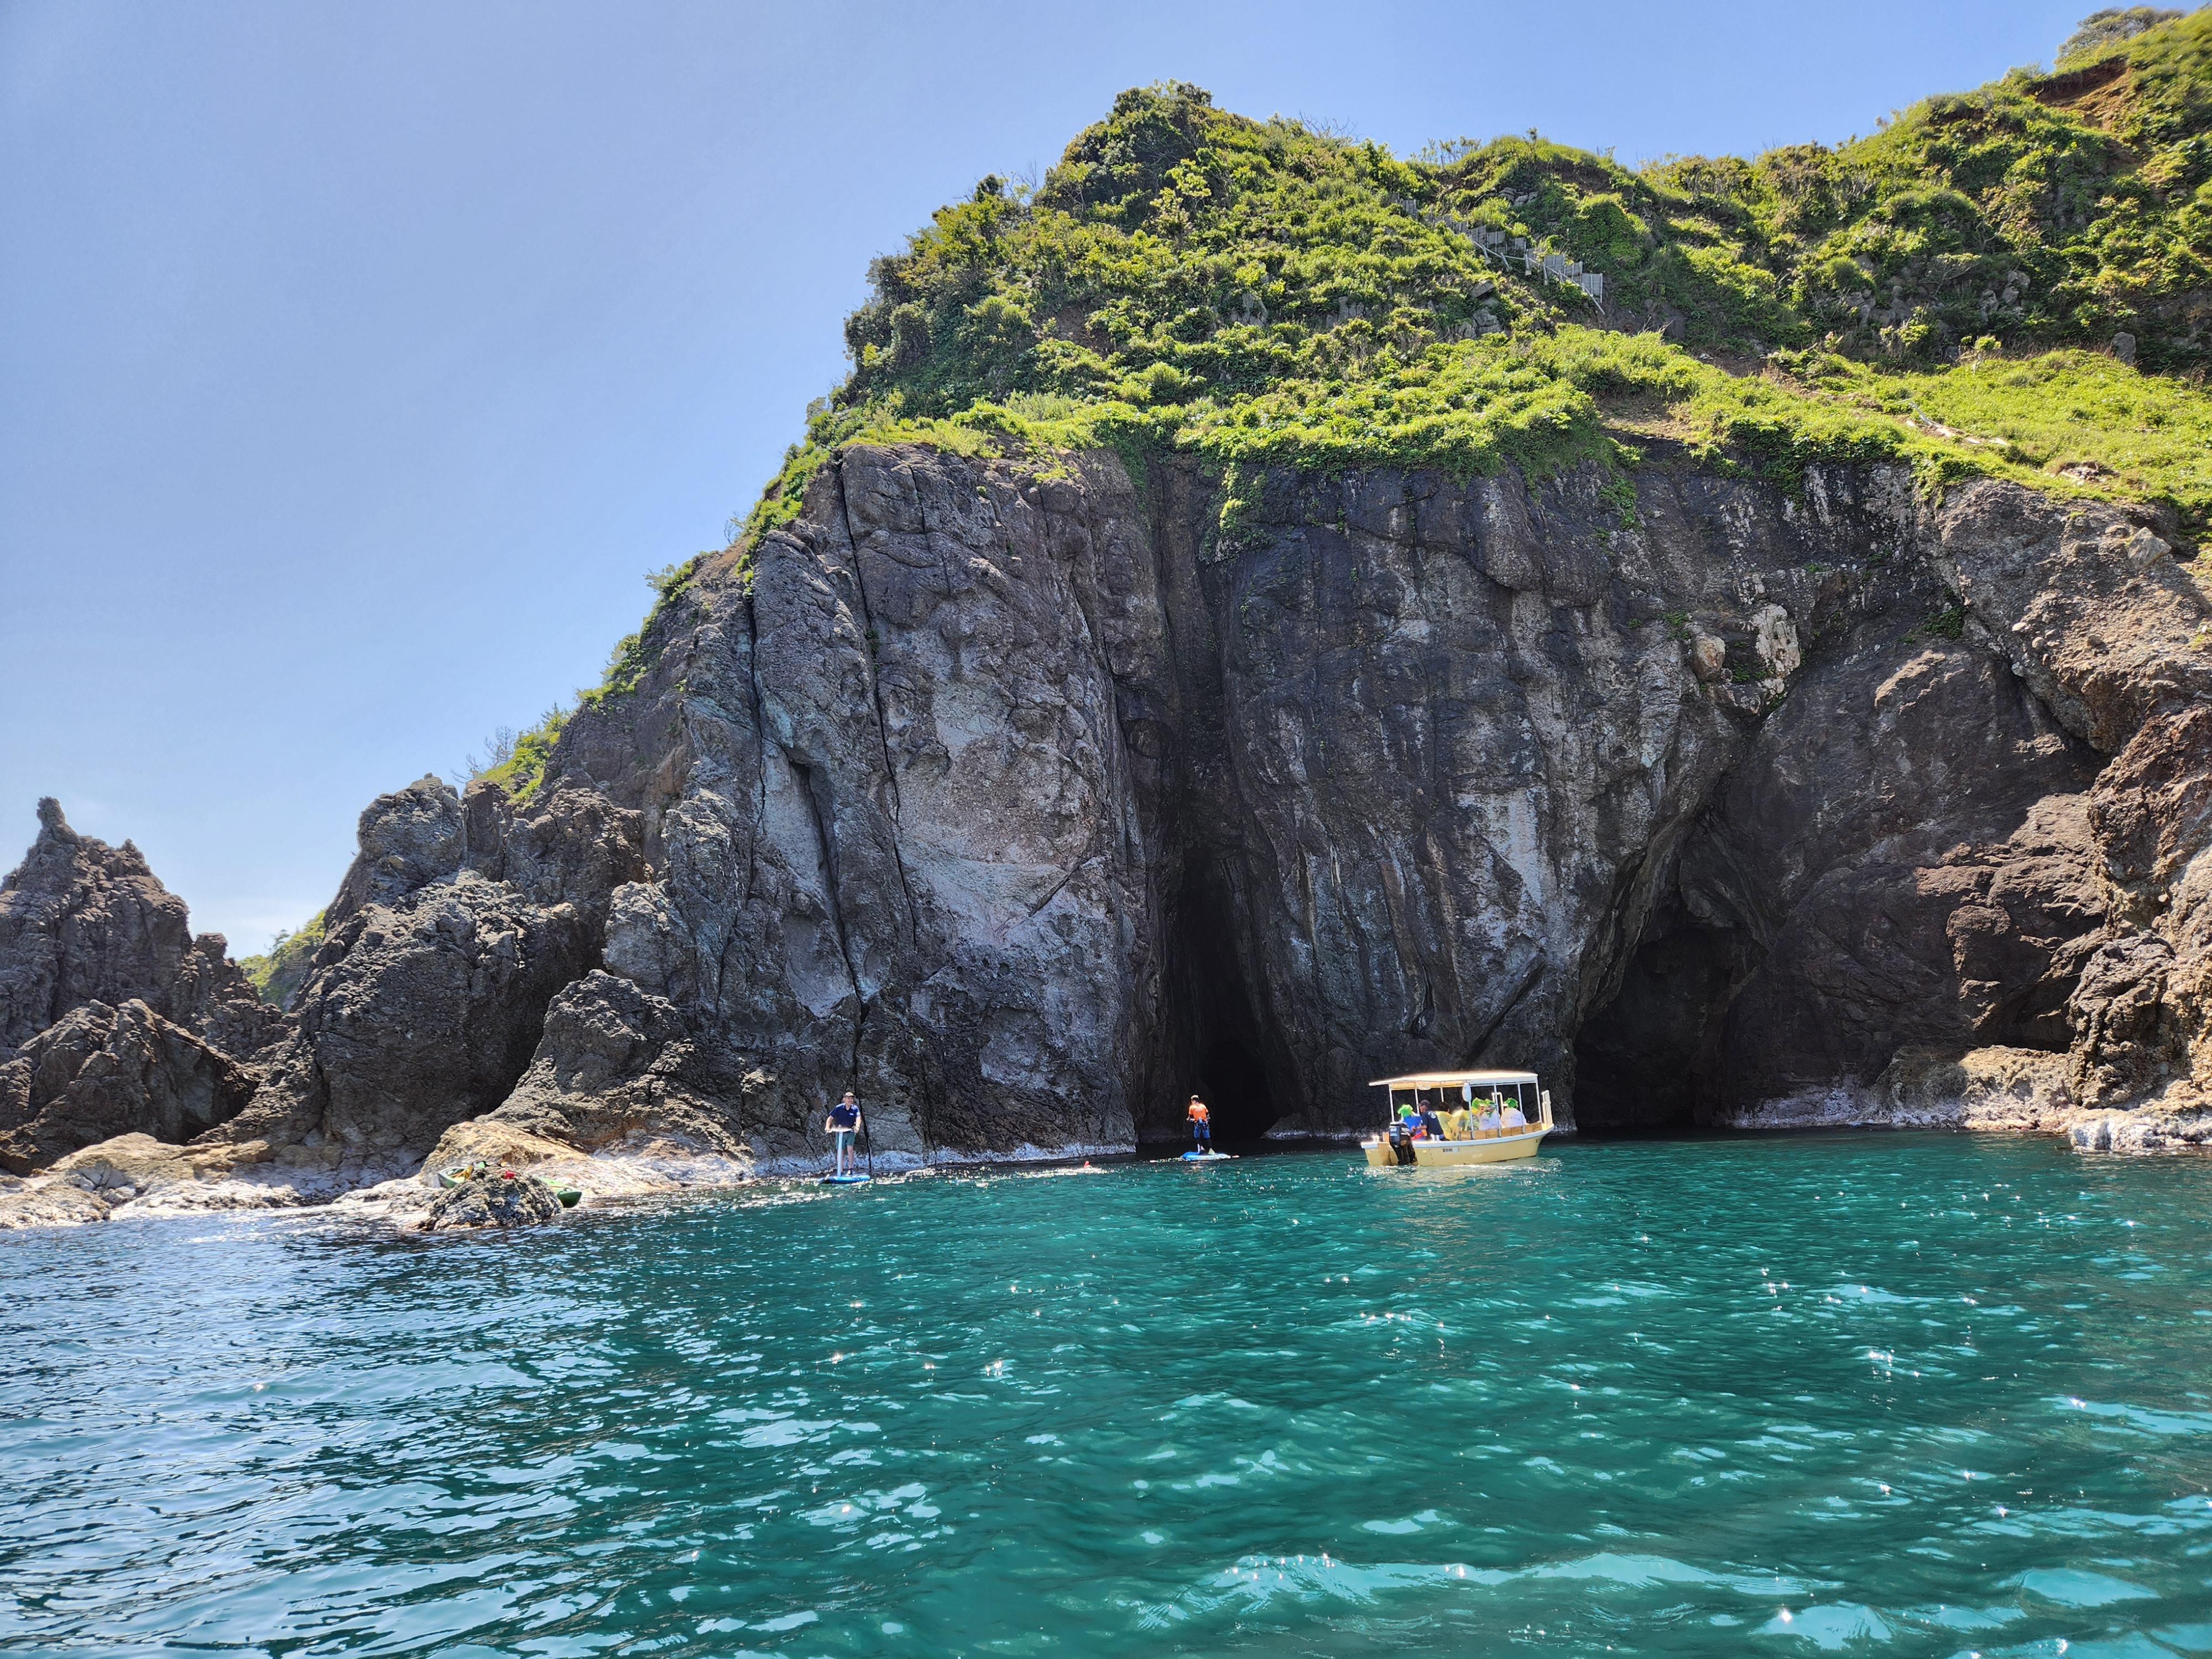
(1897, 1394)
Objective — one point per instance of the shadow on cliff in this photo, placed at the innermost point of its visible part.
(1902, 860)
(1213, 1001)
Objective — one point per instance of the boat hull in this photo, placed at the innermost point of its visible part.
(1449, 1154)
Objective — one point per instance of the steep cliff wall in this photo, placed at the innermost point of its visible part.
(1027, 799)
(1458, 679)
(1029, 803)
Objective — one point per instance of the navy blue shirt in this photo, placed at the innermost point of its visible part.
(843, 1116)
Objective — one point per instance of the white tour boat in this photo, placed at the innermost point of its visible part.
(1465, 1103)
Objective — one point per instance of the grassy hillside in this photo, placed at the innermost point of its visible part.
(2009, 280)
(1252, 290)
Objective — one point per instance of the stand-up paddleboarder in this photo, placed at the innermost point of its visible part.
(843, 1122)
(1201, 1126)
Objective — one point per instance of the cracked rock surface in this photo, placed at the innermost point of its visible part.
(1025, 800)
(1026, 803)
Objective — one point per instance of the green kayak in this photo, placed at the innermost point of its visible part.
(459, 1173)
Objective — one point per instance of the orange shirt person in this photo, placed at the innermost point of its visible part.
(1201, 1126)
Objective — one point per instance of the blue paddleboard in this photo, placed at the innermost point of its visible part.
(1207, 1157)
(845, 1181)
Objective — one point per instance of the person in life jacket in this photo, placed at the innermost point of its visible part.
(843, 1121)
(1201, 1126)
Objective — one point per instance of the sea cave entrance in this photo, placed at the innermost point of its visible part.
(1214, 1015)
(1649, 1059)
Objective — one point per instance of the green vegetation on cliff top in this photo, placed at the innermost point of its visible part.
(2012, 281)
(1257, 291)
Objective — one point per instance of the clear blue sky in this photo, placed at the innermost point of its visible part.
(356, 359)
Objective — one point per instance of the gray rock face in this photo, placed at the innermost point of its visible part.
(615, 1063)
(81, 922)
(101, 1071)
(899, 837)
(494, 1201)
(456, 926)
(1026, 805)
(407, 840)
(114, 1017)
(1902, 858)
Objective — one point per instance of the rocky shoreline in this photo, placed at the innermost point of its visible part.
(136, 1177)
(1024, 801)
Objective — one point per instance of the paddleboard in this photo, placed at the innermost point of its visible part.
(846, 1180)
(1207, 1157)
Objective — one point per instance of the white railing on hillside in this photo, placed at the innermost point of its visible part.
(1507, 252)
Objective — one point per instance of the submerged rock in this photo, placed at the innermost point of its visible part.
(494, 1202)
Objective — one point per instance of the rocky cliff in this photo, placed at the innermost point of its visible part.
(1260, 614)
(1027, 803)
(1024, 800)
(114, 1017)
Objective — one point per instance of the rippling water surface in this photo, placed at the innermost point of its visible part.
(1875, 1393)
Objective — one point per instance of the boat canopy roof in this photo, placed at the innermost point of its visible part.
(1451, 1079)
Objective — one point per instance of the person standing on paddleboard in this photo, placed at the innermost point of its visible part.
(1201, 1126)
(844, 1121)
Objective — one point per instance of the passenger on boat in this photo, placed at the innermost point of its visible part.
(1431, 1123)
(1201, 1126)
(1489, 1118)
(1513, 1117)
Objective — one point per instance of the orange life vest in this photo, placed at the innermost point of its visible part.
(1197, 1113)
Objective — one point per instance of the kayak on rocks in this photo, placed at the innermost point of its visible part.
(503, 1201)
(452, 1177)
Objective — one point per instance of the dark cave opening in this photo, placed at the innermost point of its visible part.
(1223, 1044)
(1648, 1059)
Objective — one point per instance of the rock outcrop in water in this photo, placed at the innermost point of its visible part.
(114, 1017)
(492, 1202)
(1023, 803)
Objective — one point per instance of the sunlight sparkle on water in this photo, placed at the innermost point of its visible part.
(1445, 1411)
